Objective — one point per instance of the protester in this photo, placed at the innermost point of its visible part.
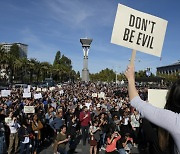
(85, 119)
(167, 118)
(94, 131)
(36, 127)
(24, 134)
(111, 143)
(13, 138)
(62, 140)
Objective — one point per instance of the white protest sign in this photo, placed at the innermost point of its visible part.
(51, 88)
(139, 31)
(61, 92)
(5, 93)
(29, 88)
(101, 95)
(38, 89)
(44, 89)
(26, 95)
(29, 109)
(157, 97)
(8, 120)
(26, 90)
(94, 95)
(37, 96)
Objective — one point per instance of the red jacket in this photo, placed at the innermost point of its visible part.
(84, 122)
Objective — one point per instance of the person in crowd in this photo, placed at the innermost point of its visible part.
(36, 127)
(72, 132)
(104, 125)
(24, 134)
(135, 123)
(62, 139)
(111, 143)
(57, 122)
(2, 134)
(94, 131)
(167, 118)
(124, 144)
(13, 138)
(85, 119)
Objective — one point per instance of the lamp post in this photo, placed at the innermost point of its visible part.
(86, 42)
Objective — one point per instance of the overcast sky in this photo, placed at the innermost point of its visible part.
(51, 25)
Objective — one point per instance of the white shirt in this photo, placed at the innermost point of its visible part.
(13, 127)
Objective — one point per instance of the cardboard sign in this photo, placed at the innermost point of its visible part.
(29, 109)
(5, 93)
(37, 96)
(157, 97)
(139, 31)
(26, 95)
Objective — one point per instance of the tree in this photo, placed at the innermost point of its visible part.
(57, 58)
(14, 51)
(104, 75)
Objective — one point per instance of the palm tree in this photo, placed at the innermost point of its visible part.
(46, 70)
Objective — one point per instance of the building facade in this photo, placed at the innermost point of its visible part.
(173, 69)
(23, 48)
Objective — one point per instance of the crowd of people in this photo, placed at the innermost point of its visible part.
(71, 114)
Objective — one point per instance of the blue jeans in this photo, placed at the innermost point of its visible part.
(62, 150)
(122, 151)
(24, 148)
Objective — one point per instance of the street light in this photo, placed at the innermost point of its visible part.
(86, 42)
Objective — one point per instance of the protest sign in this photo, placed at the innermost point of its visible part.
(26, 95)
(61, 92)
(37, 96)
(38, 89)
(52, 88)
(157, 97)
(94, 94)
(8, 120)
(5, 93)
(44, 89)
(101, 95)
(139, 31)
(29, 109)
(29, 88)
(26, 90)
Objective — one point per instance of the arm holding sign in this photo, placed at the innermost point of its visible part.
(131, 82)
(167, 119)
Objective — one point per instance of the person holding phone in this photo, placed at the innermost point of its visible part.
(111, 143)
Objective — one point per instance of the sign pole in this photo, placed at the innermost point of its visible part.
(133, 56)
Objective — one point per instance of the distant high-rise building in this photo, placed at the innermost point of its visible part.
(23, 48)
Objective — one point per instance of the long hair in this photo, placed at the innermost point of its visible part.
(166, 142)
